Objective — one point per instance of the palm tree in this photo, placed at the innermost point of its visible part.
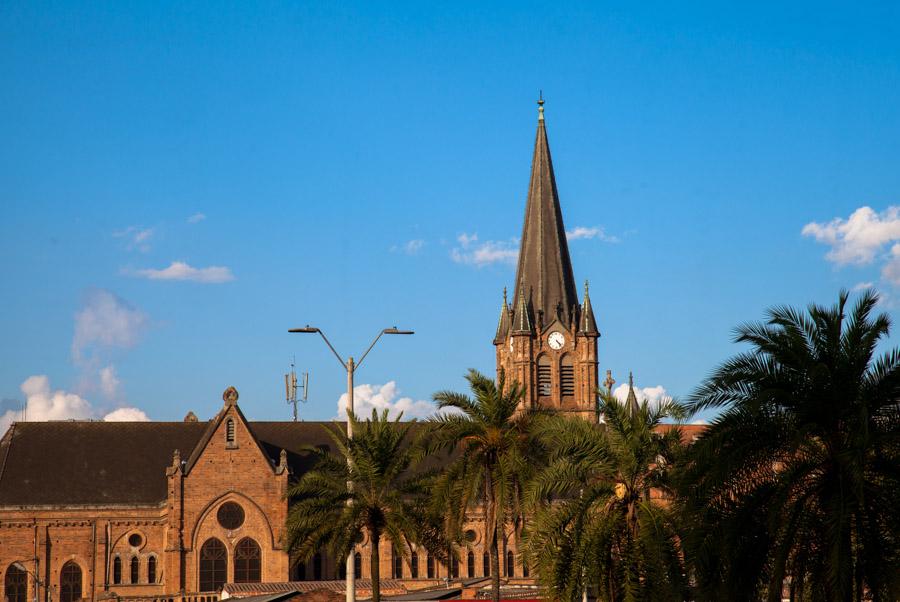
(385, 500)
(493, 441)
(598, 519)
(797, 482)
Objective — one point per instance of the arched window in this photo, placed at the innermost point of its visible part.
(342, 569)
(470, 564)
(247, 562)
(414, 565)
(510, 564)
(229, 432)
(317, 567)
(544, 378)
(300, 571)
(454, 566)
(429, 566)
(135, 570)
(151, 569)
(566, 377)
(357, 565)
(524, 569)
(70, 582)
(117, 570)
(15, 584)
(397, 564)
(213, 565)
(486, 564)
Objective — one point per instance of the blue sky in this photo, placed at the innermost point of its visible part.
(182, 182)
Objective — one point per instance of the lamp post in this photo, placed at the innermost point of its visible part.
(350, 367)
(37, 582)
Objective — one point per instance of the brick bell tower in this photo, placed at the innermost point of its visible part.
(546, 340)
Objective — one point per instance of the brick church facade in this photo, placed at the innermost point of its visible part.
(177, 509)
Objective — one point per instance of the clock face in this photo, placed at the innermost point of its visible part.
(556, 340)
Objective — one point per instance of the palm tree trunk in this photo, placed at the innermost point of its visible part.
(375, 567)
(495, 566)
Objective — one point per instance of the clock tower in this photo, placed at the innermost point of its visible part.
(546, 339)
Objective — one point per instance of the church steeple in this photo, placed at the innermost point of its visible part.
(546, 341)
(544, 273)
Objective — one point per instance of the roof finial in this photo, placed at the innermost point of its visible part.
(504, 297)
(630, 379)
(585, 288)
(540, 103)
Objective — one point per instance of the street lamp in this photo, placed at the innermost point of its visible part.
(37, 582)
(350, 367)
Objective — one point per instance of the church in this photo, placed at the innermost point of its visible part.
(177, 510)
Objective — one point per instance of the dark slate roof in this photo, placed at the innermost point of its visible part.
(544, 273)
(89, 463)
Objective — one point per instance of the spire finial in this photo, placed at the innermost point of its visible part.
(540, 103)
(585, 288)
(630, 379)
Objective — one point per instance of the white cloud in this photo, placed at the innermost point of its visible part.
(582, 232)
(126, 415)
(179, 270)
(861, 286)
(859, 238)
(700, 421)
(485, 253)
(42, 403)
(196, 218)
(380, 397)
(106, 321)
(109, 382)
(137, 237)
(653, 395)
(411, 247)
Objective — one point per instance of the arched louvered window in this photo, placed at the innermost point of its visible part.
(544, 376)
(486, 564)
(510, 564)
(414, 565)
(213, 565)
(357, 565)
(15, 584)
(470, 564)
(429, 566)
(70, 582)
(229, 432)
(317, 567)
(247, 562)
(567, 377)
(135, 572)
(151, 569)
(117, 570)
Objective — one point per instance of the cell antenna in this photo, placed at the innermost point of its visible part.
(290, 388)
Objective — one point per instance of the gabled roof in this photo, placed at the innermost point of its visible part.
(544, 271)
(96, 463)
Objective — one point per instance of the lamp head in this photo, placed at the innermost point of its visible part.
(305, 329)
(394, 330)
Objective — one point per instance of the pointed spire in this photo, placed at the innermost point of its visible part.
(544, 269)
(522, 315)
(631, 401)
(503, 322)
(588, 323)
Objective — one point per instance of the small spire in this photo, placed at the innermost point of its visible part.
(540, 103)
(523, 319)
(631, 401)
(503, 322)
(588, 322)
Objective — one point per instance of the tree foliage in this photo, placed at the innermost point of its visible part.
(796, 483)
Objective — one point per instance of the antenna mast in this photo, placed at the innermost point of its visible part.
(290, 388)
